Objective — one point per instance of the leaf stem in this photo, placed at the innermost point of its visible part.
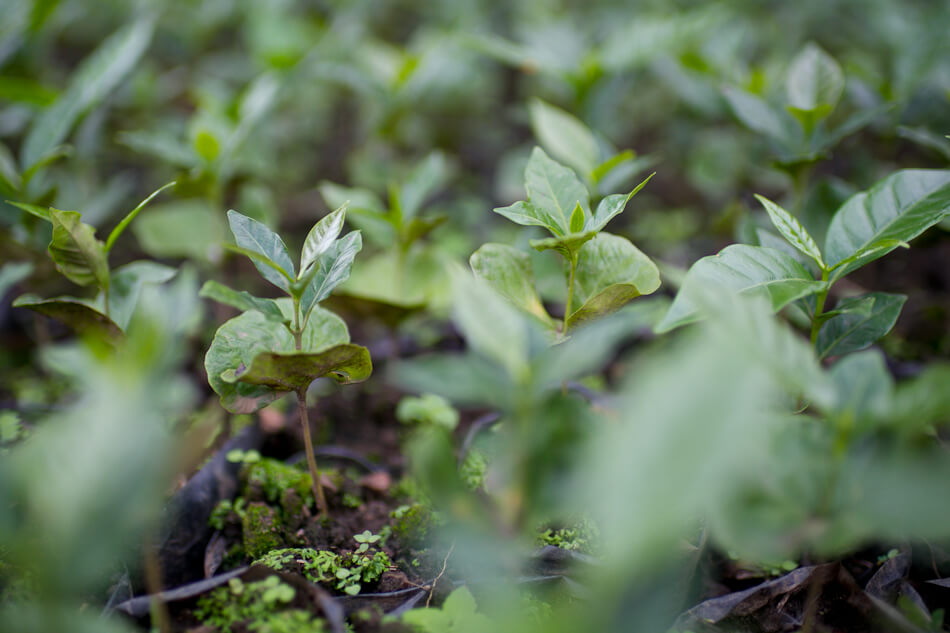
(316, 484)
(819, 309)
(570, 291)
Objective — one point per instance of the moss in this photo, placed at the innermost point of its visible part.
(347, 572)
(260, 604)
(268, 480)
(473, 470)
(413, 523)
(581, 536)
(261, 528)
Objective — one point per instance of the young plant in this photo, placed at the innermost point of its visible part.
(604, 271)
(796, 271)
(84, 260)
(282, 345)
(407, 272)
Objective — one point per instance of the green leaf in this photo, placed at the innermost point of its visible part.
(160, 230)
(239, 340)
(330, 270)
(612, 205)
(526, 214)
(792, 230)
(463, 379)
(117, 231)
(814, 80)
(97, 76)
(241, 300)
(409, 282)
(82, 315)
(858, 322)
(864, 387)
(32, 209)
(757, 115)
(321, 237)
(344, 363)
(892, 212)
(509, 271)
(566, 245)
(420, 227)
(161, 145)
(564, 136)
(254, 236)
(126, 285)
(428, 176)
(610, 272)
(923, 400)
(745, 269)
(9, 174)
(12, 273)
(577, 219)
(554, 190)
(78, 255)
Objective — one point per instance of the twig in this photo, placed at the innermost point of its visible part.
(445, 563)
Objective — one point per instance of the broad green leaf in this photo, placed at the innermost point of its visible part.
(428, 176)
(239, 340)
(554, 189)
(509, 272)
(126, 285)
(241, 300)
(420, 278)
(566, 245)
(257, 237)
(82, 315)
(321, 237)
(612, 205)
(330, 270)
(792, 230)
(756, 114)
(117, 231)
(610, 272)
(96, 77)
(814, 80)
(858, 322)
(864, 386)
(76, 251)
(160, 233)
(565, 137)
(744, 269)
(526, 214)
(344, 363)
(893, 211)
(491, 326)
(12, 273)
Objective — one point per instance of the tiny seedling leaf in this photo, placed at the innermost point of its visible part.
(792, 230)
(256, 237)
(566, 245)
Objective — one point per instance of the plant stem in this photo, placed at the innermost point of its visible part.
(570, 291)
(316, 486)
(819, 309)
(297, 331)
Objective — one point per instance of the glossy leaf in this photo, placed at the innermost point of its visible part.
(78, 255)
(526, 214)
(126, 285)
(814, 79)
(239, 340)
(117, 231)
(610, 272)
(858, 322)
(96, 77)
(330, 270)
(554, 190)
(612, 205)
(256, 237)
(892, 212)
(745, 269)
(344, 363)
(565, 137)
(321, 237)
(792, 230)
(242, 300)
(509, 271)
(83, 316)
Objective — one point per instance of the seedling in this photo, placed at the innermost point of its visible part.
(84, 260)
(406, 273)
(796, 271)
(604, 271)
(282, 345)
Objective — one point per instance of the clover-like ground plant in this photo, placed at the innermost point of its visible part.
(277, 346)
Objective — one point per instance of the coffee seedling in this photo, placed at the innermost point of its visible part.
(279, 346)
